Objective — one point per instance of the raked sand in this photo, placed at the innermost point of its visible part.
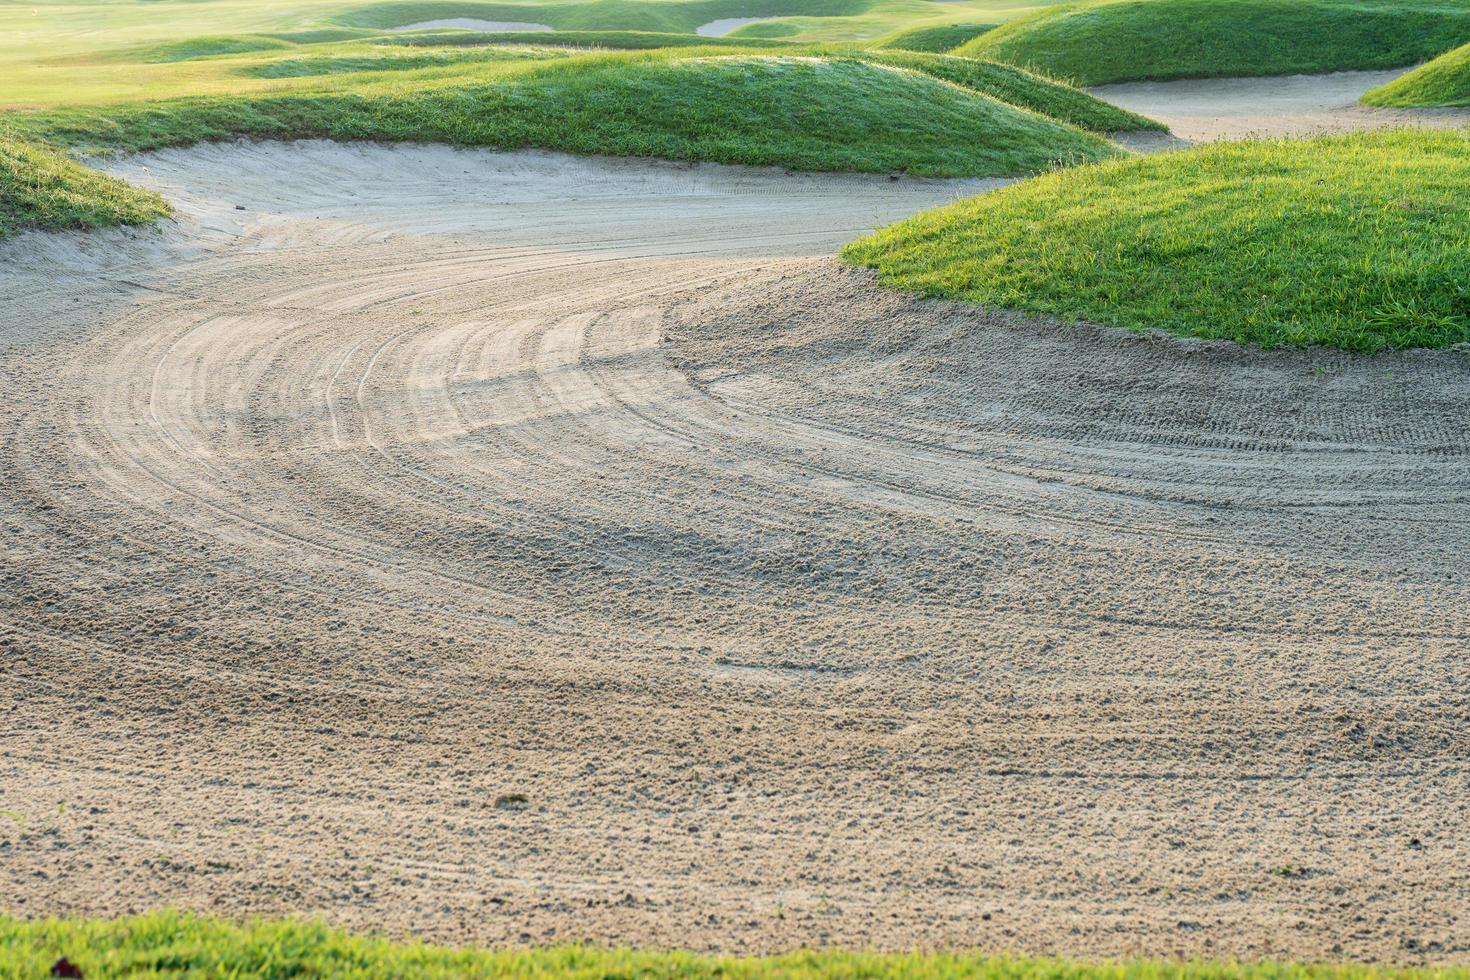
(797, 611)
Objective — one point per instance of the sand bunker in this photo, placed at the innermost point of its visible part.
(1298, 105)
(471, 24)
(801, 612)
(726, 25)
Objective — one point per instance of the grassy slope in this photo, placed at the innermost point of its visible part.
(1360, 242)
(1021, 88)
(600, 15)
(349, 62)
(804, 113)
(43, 190)
(1445, 81)
(1012, 85)
(614, 40)
(1100, 41)
(169, 945)
(934, 39)
(69, 53)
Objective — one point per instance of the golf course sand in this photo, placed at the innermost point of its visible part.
(1198, 110)
(514, 548)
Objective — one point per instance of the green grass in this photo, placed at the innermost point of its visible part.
(1100, 41)
(374, 61)
(168, 944)
(1360, 242)
(1020, 88)
(611, 40)
(131, 50)
(941, 37)
(803, 113)
(1445, 81)
(207, 47)
(664, 16)
(40, 189)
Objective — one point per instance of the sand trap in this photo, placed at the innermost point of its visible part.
(470, 24)
(723, 26)
(1296, 105)
(803, 612)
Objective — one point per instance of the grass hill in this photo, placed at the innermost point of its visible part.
(1019, 88)
(1445, 81)
(944, 37)
(1099, 41)
(40, 189)
(1354, 242)
(612, 40)
(807, 113)
(600, 15)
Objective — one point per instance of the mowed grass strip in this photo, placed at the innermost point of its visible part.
(168, 944)
(1443, 82)
(1359, 242)
(822, 114)
(1101, 41)
(43, 190)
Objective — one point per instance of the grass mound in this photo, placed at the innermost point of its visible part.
(167, 944)
(43, 190)
(1355, 242)
(613, 40)
(1100, 41)
(405, 60)
(1020, 88)
(944, 37)
(1443, 82)
(600, 15)
(191, 49)
(803, 113)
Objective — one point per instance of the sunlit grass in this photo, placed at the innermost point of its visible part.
(833, 114)
(1445, 81)
(168, 944)
(40, 189)
(1360, 242)
(1099, 41)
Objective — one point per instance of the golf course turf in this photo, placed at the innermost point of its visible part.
(834, 114)
(1443, 82)
(169, 944)
(600, 15)
(1019, 87)
(944, 37)
(1355, 242)
(1100, 41)
(41, 189)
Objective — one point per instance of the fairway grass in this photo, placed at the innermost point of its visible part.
(806, 113)
(169, 944)
(42, 190)
(1100, 41)
(64, 53)
(1359, 242)
(1442, 83)
(944, 37)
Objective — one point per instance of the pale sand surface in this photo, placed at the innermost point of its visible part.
(1294, 105)
(725, 25)
(799, 611)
